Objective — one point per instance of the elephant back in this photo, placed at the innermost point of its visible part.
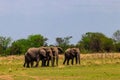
(33, 51)
(69, 51)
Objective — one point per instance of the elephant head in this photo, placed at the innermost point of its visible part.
(43, 56)
(56, 51)
(49, 55)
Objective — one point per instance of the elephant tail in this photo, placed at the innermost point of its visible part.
(25, 60)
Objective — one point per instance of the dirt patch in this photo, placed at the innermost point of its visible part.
(6, 77)
(12, 58)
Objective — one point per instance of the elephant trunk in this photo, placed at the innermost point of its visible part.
(52, 61)
(79, 58)
(57, 57)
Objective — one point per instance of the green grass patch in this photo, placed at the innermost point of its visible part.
(90, 69)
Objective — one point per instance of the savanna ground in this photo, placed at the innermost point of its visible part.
(93, 67)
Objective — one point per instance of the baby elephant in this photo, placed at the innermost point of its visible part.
(70, 54)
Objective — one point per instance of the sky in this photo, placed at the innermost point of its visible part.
(58, 18)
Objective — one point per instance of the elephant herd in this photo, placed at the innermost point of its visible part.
(50, 54)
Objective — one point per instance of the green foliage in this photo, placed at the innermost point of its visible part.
(36, 40)
(4, 44)
(95, 42)
(20, 46)
(63, 42)
(116, 36)
(116, 39)
(117, 47)
(108, 45)
(89, 43)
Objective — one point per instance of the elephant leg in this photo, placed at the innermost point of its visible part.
(68, 61)
(28, 65)
(72, 61)
(43, 63)
(37, 60)
(79, 59)
(57, 60)
(53, 60)
(48, 62)
(32, 63)
(24, 64)
(37, 63)
(64, 61)
(76, 58)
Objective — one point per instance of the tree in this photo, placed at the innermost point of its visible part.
(59, 40)
(117, 47)
(63, 42)
(95, 42)
(116, 36)
(19, 46)
(4, 44)
(67, 40)
(37, 40)
(108, 45)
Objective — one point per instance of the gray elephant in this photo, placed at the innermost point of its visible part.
(77, 55)
(56, 51)
(34, 55)
(70, 54)
(49, 56)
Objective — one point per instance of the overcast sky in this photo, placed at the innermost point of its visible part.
(58, 18)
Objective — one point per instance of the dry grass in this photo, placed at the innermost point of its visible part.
(13, 57)
(6, 77)
(11, 68)
(100, 55)
(82, 56)
(97, 56)
(86, 59)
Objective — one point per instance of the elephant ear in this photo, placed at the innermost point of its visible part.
(52, 49)
(60, 50)
(45, 48)
(77, 50)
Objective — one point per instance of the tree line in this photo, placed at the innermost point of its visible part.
(90, 42)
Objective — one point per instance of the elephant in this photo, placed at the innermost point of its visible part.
(34, 54)
(56, 51)
(72, 53)
(77, 55)
(49, 55)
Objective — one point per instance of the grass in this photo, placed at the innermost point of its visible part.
(93, 67)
